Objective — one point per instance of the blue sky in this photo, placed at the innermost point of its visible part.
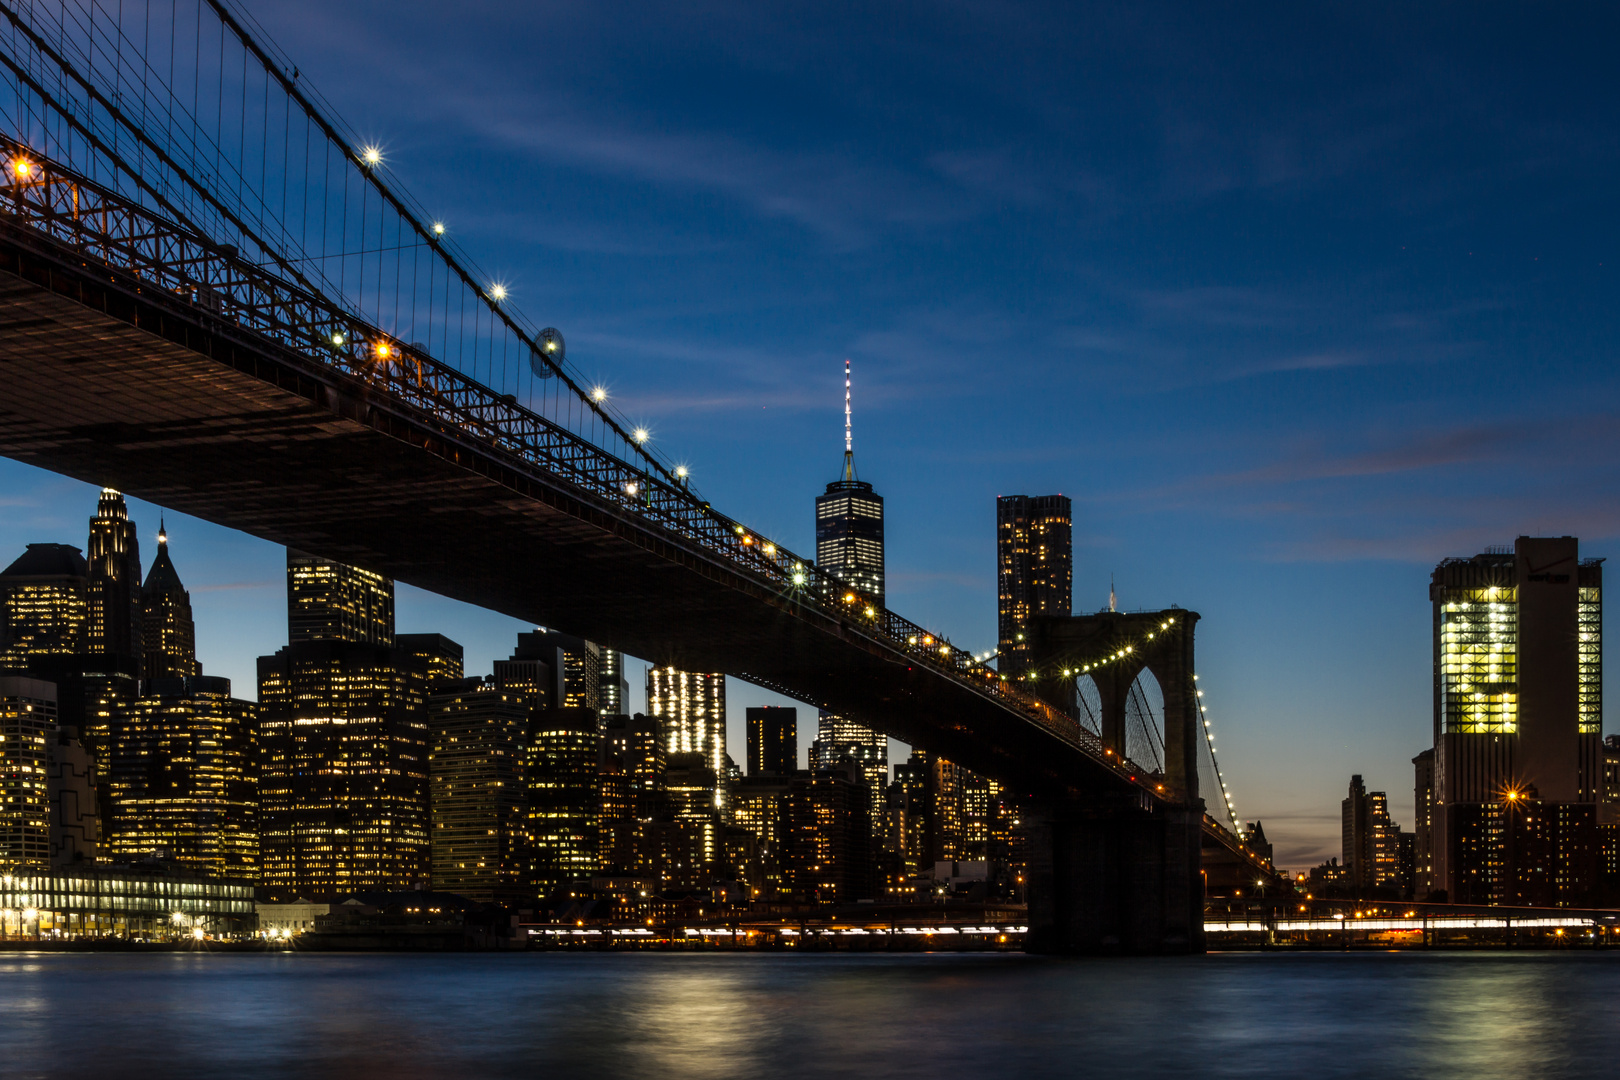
(1292, 301)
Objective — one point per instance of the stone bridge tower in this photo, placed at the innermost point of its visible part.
(1112, 871)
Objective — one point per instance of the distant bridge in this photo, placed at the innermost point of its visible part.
(361, 391)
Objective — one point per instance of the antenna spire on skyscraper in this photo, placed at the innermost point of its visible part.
(1113, 602)
(849, 438)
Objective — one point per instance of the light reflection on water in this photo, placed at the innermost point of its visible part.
(680, 1016)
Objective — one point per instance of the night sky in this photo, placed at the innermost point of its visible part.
(1291, 300)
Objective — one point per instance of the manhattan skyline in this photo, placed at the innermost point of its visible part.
(1279, 378)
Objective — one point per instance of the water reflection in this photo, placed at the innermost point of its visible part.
(673, 1016)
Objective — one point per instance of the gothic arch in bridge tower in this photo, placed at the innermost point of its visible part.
(1113, 649)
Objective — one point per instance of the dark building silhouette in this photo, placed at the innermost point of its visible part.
(476, 768)
(1423, 825)
(1376, 853)
(691, 797)
(44, 604)
(828, 847)
(114, 564)
(169, 634)
(773, 740)
(71, 786)
(613, 688)
(1517, 773)
(1034, 568)
(183, 778)
(632, 777)
(638, 746)
(344, 738)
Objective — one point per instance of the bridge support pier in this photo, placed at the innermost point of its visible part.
(1115, 879)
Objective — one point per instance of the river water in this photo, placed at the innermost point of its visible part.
(716, 1016)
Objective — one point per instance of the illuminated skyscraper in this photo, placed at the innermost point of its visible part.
(115, 580)
(480, 737)
(27, 725)
(691, 711)
(1518, 667)
(849, 524)
(343, 737)
(555, 670)
(839, 739)
(44, 604)
(565, 801)
(849, 546)
(1034, 568)
(328, 601)
(169, 635)
(183, 778)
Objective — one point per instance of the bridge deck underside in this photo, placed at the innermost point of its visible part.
(141, 391)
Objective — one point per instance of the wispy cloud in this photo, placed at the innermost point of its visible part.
(236, 586)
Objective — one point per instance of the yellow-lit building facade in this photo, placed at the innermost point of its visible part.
(344, 739)
(183, 779)
(691, 711)
(27, 724)
(44, 604)
(476, 777)
(1518, 662)
(564, 799)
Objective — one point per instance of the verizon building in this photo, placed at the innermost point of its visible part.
(1509, 798)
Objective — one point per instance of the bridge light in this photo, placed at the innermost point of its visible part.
(871, 612)
(22, 168)
(598, 393)
(372, 156)
(849, 598)
(497, 292)
(337, 339)
(630, 489)
(680, 471)
(769, 549)
(642, 434)
(383, 350)
(438, 228)
(798, 577)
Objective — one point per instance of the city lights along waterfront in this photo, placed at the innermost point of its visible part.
(390, 679)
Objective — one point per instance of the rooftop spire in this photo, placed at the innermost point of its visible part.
(849, 439)
(163, 533)
(1113, 602)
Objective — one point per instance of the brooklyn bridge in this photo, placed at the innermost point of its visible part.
(216, 297)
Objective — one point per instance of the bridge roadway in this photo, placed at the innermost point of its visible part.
(118, 377)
